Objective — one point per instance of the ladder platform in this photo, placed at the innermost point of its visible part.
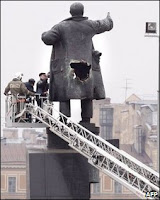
(16, 115)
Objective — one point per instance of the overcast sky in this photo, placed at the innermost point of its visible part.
(126, 53)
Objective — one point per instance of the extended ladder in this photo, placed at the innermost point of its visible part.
(119, 165)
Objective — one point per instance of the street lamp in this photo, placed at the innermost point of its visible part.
(151, 29)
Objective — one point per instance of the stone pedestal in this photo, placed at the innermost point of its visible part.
(114, 142)
(57, 174)
(55, 142)
(91, 127)
(93, 172)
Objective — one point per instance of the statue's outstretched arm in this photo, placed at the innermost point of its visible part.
(103, 25)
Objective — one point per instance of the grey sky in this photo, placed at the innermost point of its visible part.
(126, 53)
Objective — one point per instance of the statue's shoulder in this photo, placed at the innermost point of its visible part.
(70, 20)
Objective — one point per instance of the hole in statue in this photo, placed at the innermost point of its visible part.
(81, 69)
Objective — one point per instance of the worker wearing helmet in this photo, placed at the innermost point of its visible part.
(16, 86)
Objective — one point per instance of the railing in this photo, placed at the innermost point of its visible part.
(15, 111)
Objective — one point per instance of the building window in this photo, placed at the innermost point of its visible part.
(12, 184)
(106, 116)
(106, 132)
(96, 188)
(140, 140)
(109, 133)
(103, 132)
(106, 122)
(117, 187)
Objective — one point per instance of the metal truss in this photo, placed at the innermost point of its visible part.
(16, 115)
(119, 165)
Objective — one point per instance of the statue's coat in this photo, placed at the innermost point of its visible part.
(72, 41)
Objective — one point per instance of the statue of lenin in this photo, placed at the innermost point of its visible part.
(74, 65)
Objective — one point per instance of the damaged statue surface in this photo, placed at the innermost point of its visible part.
(74, 66)
(74, 69)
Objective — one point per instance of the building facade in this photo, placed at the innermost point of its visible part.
(13, 160)
(13, 171)
(134, 123)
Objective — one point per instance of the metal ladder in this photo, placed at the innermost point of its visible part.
(137, 177)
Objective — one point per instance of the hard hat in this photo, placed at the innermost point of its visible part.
(18, 75)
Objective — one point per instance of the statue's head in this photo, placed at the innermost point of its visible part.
(77, 9)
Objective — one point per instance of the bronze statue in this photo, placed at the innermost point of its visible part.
(74, 66)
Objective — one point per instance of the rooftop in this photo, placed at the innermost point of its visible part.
(144, 102)
(13, 153)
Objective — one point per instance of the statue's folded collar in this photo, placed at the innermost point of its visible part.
(76, 18)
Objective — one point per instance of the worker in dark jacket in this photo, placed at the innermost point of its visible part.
(42, 89)
(30, 87)
(71, 67)
(30, 84)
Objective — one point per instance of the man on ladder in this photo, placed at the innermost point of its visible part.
(17, 87)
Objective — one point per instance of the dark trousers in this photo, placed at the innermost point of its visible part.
(40, 100)
(86, 109)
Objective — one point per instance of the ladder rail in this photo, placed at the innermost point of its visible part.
(125, 158)
(72, 137)
(117, 153)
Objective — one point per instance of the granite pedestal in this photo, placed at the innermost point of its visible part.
(59, 172)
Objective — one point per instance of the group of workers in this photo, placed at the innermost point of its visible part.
(18, 88)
